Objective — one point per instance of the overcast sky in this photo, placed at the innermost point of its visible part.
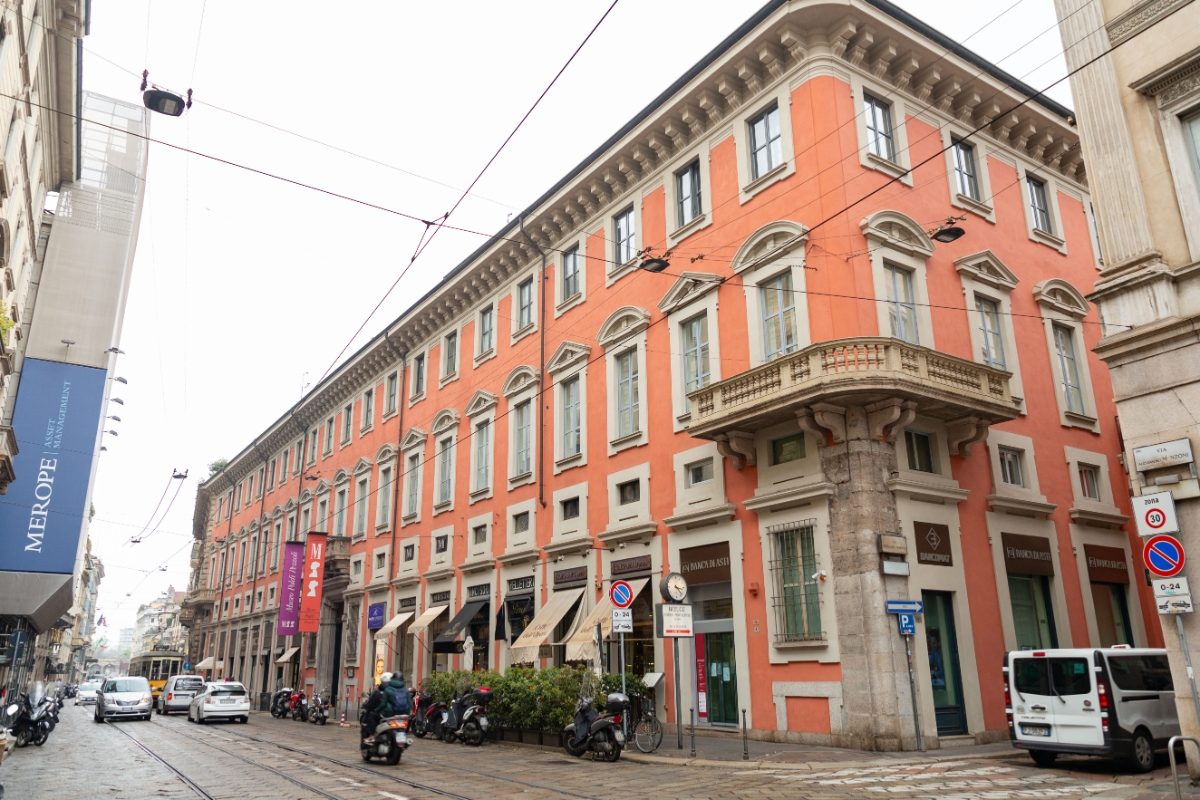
(246, 289)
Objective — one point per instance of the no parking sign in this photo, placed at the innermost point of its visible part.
(1164, 556)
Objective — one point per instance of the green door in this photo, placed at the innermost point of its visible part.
(722, 678)
(945, 678)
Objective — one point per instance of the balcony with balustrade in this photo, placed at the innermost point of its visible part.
(863, 371)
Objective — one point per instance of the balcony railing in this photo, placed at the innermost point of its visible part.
(861, 370)
(200, 597)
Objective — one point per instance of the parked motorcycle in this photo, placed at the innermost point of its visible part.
(280, 702)
(597, 733)
(24, 727)
(389, 741)
(466, 718)
(318, 709)
(426, 714)
(299, 706)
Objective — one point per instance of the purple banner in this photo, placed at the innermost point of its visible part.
(289, 588)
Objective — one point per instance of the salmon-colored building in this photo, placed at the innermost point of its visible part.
(745, 342)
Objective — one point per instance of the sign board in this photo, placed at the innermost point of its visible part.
(673, 621)
(707, 563)
(1106, 564)
(933, 544)
(622, 620)
(1163, 454)
(1171, 587)
(1155, 513)
(904, 607)
(907, 623)
(621, 594)
(1163, 556)
(1174, 605)
(187, 666)
(376, 612)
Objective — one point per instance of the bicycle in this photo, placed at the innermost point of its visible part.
(648, 733)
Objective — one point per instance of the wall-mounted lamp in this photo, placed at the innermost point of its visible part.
(948, 232)
(67, 342)
(114, 433)
(113, 417)
(753, 588)
(119, 379)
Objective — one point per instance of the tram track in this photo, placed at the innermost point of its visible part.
(196, 788)
(557, 791)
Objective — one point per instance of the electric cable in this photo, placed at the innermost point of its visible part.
(157, 505)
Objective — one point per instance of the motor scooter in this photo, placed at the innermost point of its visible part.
(299, 706)
(466, 718)
(318, 709)
(389, 741)
(426, 714)
(597, 733)
(280, 702)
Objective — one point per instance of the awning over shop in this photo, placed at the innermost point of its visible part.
(426, 619)
(525, 648)
(42, 598)
(580, 646)
(287, 655)
(392, 624)
(451, 639)
(205, 664)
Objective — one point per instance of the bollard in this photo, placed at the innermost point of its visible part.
(692, 725)
(745, 741)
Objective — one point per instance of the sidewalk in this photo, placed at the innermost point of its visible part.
(728, 749)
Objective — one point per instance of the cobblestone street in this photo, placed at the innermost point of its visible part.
(283, 759)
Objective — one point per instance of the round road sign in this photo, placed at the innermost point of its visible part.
(1155, 518)
(1163, 556)
(621, 594)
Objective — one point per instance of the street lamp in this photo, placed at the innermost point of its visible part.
(163, 101)
(948, 232)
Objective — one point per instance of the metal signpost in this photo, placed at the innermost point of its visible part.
(674, 622)
(1164, 556)
(906, 622)
(621, 595)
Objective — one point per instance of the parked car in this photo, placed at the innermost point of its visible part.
(86, 695)
(220, 700)
(126, 696)
(178, 692)
(1115, 701)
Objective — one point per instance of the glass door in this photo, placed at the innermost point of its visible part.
(945, 679)
(1033, 617)
(722, 678)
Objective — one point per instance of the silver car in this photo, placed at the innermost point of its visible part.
(86, 694)
(126, 696)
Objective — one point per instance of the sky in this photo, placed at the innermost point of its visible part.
(247, 289)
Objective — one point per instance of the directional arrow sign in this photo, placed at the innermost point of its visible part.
(904, 607)
(1163, 556)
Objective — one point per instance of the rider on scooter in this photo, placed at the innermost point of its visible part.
(387, 700)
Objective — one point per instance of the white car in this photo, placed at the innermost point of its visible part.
(86, 694)
(220, 700)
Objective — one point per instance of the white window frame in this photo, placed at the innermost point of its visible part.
(983, 274)
(629, 393)
(897, 166)
(520, 328)
(379, 573)
(563, 301)
(412, 484)
(1052, 238)
(909, 253)
(764, 135)
(479, 550)
(624, 515)
(625, 248)
(385, 495)
(693, 295)
(568, 419)
(367, 416)
(391, 394)
(1063, 307)
(575, 528)
(481, 411)
(526, 539)
(762, 257)
(1088, 509)
(444, 496)
(982, 205)
(522, 439)
(521, 388)
(779, 96)
(418, 383)
(362, 498)
(347, 425)
(1182, 104)
(341, 505)
(569, 362)
(482, 353)
(450, 360)
(675, 231)
(1028, 496)
(625, 332)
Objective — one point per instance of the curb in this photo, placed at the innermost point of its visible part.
(808, 766)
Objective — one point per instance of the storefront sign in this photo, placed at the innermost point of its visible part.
(479, 591)
(705, 564)
(673, 621)
(407, 602)
(571, 576)
(375, 615)
(289, 588)
(627, 566)
(1027, 555)
(313, 581)
(1106, 564)
(1163, 454)
(701, 678)
(436, 598)
(933, 544)
(519, 585)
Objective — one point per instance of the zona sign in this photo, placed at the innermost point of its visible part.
(1163, 556)
(621, 593)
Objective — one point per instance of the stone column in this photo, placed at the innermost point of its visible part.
(857, 457)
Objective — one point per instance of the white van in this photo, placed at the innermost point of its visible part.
(1116, 701)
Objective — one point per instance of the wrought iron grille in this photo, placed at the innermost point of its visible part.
(795, 582)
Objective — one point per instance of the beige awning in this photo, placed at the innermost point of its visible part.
(525, 648)
(426, 619)
(579, 646)
(205, 664)
(287, 655)
(392, 624)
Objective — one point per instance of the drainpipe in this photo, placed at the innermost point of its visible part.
(262, 505)
(401, 378)
(541, 461)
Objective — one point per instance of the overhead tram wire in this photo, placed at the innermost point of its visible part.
(425, 242)
(137, 536)
(167, 510)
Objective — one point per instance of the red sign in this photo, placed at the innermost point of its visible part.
(312, 581)
(621, 594)
(701, 678)
(1163, 555)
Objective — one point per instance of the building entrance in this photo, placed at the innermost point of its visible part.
(945, 677)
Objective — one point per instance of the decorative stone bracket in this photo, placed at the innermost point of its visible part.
(888, 418)
(739, 446)
(963, 433)
(824, 422)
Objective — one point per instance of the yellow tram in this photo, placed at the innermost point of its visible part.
(156, 666)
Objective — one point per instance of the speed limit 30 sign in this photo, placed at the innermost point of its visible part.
(1155, 514)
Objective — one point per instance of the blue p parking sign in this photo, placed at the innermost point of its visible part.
(907, 623)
